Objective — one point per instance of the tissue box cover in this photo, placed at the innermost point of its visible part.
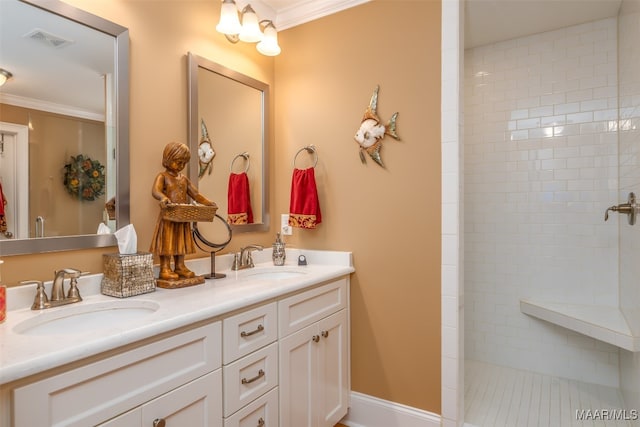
(126, 275)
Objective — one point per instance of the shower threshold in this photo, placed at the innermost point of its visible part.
(604, 323)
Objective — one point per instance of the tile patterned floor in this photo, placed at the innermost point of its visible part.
(499, 396)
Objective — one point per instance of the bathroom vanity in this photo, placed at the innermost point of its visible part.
(264, 346)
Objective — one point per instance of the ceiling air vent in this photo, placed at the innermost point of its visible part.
(47, 38)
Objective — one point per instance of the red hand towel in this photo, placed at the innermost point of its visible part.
(304, 207)
(3, 201)
(3, 218)
(239, 200)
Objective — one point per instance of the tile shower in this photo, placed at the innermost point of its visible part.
(544, 155)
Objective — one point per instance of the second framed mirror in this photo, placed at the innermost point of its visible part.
(228, 137)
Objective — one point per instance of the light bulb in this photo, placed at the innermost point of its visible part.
(250, 32)
(229, 21)
(269, 44)
(4, 76)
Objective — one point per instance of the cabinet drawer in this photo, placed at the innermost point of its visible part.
(261, 412)
(249, 377)
(194, 404)
(98, 391)
(248, 331)
(298, 311)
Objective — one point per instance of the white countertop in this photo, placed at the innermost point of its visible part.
(24, 355)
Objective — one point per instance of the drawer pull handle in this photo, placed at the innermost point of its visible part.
(315, 338)
(244, 334)
(250, 380)
(260, 422)
(325, 334)
(158, 422)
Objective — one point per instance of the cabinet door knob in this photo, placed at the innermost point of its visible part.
(261, 422)
(324, 334)
(315, 338)
(159, 422)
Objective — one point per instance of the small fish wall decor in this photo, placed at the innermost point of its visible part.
(206, 152)
(371, 132)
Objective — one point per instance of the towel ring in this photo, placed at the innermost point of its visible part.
(244, 155)
(311, 149)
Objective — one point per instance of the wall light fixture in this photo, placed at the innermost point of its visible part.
(4, 76)
(250, 30)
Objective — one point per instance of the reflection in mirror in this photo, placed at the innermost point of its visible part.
(234, 110)
(63, 127)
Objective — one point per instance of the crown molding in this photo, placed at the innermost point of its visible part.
(309, 10)
(51, 107)
(299, 12)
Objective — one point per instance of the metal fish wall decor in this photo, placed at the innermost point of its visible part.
(371, 132)
(206, 152)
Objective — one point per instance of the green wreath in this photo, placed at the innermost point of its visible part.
(84, 178)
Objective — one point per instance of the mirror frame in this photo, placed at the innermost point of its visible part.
(195, 62)
(121, 78)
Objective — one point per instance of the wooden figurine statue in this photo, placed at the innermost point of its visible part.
(171, 238)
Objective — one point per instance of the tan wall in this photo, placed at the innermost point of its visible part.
(53, 139)
(389, 218)
(321, 85)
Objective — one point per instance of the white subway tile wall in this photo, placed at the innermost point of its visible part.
(452, 321)
(629, 134)
(540, 168)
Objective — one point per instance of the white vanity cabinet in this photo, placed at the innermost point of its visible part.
(275, 357)
(250, 371)
(178, 378)
(314, 356)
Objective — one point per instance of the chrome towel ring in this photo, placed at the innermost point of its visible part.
(311, 149)
(245, 156)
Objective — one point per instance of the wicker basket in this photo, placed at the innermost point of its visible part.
(126, 275)
(189, 213)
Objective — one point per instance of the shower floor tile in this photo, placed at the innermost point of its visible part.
(500, 396)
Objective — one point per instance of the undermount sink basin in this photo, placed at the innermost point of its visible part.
(84, 317)
(275, 273)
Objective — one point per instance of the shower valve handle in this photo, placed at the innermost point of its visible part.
(630, 209)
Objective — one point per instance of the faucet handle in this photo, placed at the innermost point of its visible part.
(236, 261)
(248, 250)
(249, 262)
(630, 208)
(40, 301)
(72, 272)
(74, 292)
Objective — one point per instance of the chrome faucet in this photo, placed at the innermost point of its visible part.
(58, 296)
(243, 259)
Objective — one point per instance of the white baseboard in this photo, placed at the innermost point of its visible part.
(369, 411)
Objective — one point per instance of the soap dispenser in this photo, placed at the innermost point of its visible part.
(279, 256)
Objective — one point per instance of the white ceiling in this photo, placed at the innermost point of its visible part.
(487, 21)
(490, 21)
(41, 69)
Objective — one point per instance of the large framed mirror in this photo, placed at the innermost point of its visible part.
(229, 112)
(64, 127)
